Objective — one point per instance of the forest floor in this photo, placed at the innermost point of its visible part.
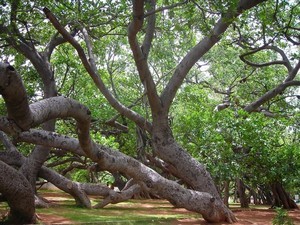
(64, 211)
(245, 217)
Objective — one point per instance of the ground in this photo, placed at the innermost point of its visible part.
(245, 217)
(63, 211)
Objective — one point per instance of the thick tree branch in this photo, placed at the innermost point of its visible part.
(270, 94)
(78, 190)
(201, 48)
(15, 97)
(19, 195)
(149, 32)
(95, 76)
(140, 56)
(13, 91)
(111, 160)
(116, 197)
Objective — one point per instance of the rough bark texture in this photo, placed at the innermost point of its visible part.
(281, 197)
(19, 195)
(148, 179)
(79, 191)
(15, 97)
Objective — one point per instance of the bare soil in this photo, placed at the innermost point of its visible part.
(248, 217)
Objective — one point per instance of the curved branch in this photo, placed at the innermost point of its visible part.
(54, 42)
(201, 48)
(13, 91)
(62, 107)
(288, 82)
(95, 76)
(26, 116)
(285, 61)
(111, 160)
(270, 94)
(293, 72)
(40, 64)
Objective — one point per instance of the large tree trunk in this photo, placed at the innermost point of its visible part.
(186, 167)
(20, 112)
(281, 197)
(19, 195)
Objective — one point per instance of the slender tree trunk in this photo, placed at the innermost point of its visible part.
(265, 195)
(242, 195)
(255, 198)
(226, 193)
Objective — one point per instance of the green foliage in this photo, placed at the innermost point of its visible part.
(282, 218)
(106, 178)
(233, 143)
(80, 176)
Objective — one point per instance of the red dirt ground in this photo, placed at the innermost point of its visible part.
(249, 217)
(245, 217)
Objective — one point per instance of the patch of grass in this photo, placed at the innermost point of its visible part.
(3, 207)
(282, 217)
(129, 212)
(114, 214)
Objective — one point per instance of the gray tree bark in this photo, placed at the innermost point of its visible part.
(19, 195)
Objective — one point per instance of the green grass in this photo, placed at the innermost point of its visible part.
(129, 212)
